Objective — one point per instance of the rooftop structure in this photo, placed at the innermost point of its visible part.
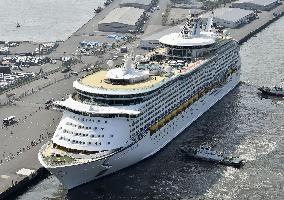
(152, 41)
(142, 4)
(255, 4)
(231, 17)
(121, 20)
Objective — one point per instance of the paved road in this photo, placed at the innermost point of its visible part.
(35, 125)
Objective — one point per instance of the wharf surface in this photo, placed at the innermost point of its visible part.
(37, 124)
(242, 34)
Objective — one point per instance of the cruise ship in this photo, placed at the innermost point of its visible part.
(120, 116)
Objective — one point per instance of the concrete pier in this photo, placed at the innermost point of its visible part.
(245, 32)
(20, 143)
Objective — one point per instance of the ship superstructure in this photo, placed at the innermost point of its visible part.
(118, 117)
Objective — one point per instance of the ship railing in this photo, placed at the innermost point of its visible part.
(61, 158)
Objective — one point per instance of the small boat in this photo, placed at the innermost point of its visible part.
(206, 153)
(18, 25)
(274, 91)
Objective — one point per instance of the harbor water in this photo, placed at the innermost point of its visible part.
(243, 123)
(43, 20)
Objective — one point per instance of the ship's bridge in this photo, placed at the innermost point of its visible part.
(194, 40)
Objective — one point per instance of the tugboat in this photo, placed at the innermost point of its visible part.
(274, 91)
(206, 153)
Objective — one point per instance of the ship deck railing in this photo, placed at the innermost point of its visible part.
(57, 157)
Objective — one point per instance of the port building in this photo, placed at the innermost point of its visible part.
(231, 17)
(142, 4)
(264, 5)
(152, 41)
(122, 20)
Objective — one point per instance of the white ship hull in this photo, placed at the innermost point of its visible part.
(74, 175)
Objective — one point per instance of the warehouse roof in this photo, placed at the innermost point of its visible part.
(158, 35)
(230, 14)
(124, 15)
(257, 2)
(142, 2)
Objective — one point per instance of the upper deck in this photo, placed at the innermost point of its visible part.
(161, 71)
(97, 84)
(97, 80)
